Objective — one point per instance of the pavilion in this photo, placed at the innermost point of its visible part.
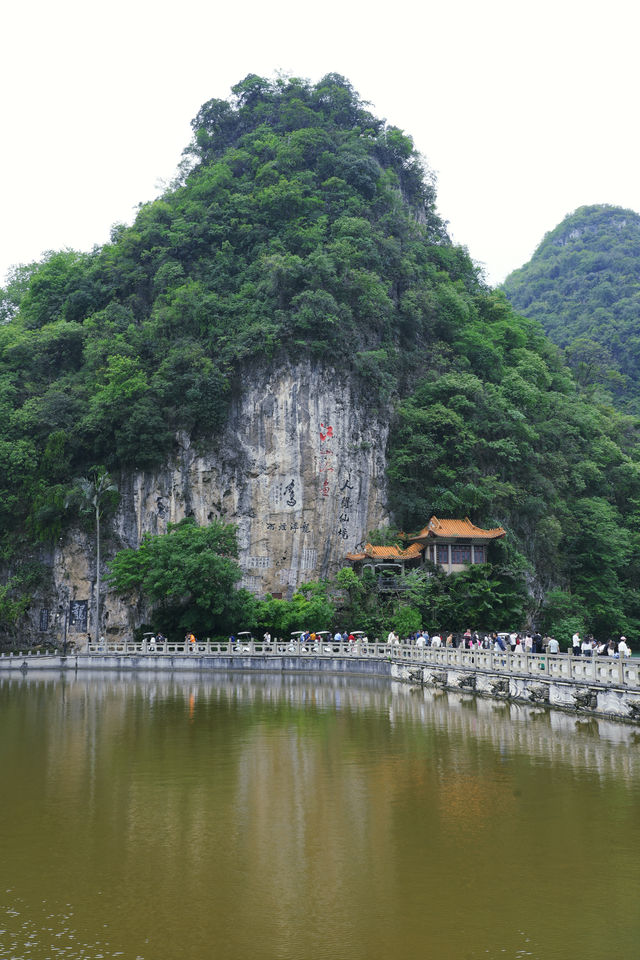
(451, 544)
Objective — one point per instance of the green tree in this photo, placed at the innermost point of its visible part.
(310, 608)
(189, 575)
(564, 629)
(14, 603)
(406, 621)
(559, 611)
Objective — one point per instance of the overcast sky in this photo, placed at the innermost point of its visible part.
(524, 111)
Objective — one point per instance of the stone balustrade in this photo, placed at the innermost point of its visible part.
(598, 671)
(249, 648)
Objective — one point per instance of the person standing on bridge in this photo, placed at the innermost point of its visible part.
(623, 649)
(587, 647)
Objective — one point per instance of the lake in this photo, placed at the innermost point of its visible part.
(280, 816)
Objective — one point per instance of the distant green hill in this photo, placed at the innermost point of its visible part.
(583, 285)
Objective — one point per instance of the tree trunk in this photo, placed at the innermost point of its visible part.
(97, 574)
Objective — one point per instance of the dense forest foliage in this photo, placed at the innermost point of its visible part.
(302, 224)
(583, 285)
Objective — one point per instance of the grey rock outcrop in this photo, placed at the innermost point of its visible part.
(299, 468)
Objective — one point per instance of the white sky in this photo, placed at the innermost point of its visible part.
(525, 111)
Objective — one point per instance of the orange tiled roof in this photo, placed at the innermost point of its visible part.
(382, 553)
(413, 550)
(387, 553)
(457, 528)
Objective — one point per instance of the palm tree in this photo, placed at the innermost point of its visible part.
(94, 492)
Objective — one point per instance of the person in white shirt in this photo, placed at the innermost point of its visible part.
(553, 645)
(586, 647)
(436, 640)
(575, 642)
(623, 649)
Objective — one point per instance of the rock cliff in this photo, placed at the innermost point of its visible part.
(299, 468)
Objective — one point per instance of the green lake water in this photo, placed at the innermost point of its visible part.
(244, 816)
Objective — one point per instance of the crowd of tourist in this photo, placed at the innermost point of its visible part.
(526, 642)
(589, 647)
(514, 642)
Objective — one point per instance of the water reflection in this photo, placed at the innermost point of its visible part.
(306, 817)
(536, 731)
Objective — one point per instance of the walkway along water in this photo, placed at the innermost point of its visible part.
(598, 686)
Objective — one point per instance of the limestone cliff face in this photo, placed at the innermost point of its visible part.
(300, 469)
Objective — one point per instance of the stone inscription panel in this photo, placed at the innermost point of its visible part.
(285, 494)
(290, 526)
(327, 453)
(261, 563)
(288, 578)
(250, 583)
(308, 559)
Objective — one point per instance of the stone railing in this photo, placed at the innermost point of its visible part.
(602, 671)
(249, 648)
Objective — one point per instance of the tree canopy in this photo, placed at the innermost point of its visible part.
(189, 575)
